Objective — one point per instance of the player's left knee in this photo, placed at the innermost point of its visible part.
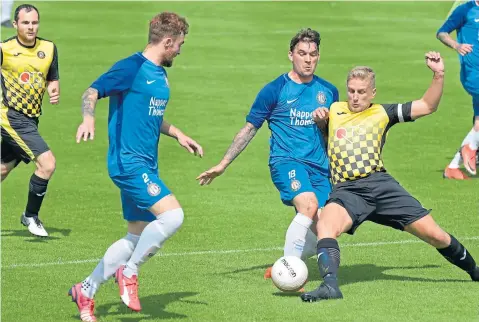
(171, 220)
(308, 206)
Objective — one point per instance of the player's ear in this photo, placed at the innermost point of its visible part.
(290, 56)
(374, 92)
(168, 42)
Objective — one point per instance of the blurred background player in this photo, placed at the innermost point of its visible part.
(29, 67)
(465, 21)
(6, 11)
(139, 93)
(298, 161)
(362, 188)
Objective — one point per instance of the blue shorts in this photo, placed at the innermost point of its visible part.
(292, 178)
(139, 191)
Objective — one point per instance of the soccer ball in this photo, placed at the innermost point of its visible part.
(289, 274)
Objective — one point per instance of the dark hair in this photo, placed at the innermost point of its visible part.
(28, 8)
(308, 35)
(166, 24)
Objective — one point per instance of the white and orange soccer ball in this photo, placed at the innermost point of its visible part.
(289, 274)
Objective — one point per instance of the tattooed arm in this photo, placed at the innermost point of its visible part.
(89, 99)
(87, 128)
(241, 140)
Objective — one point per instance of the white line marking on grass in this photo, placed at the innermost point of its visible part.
(224, 252)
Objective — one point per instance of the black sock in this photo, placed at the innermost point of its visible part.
(328, 259)
(38, 188)
(458, 255)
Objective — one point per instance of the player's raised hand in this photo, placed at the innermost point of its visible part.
(208, 176)
(463, 49)
(434, 61)
(191, 145)
(86, 130)
(320, 114)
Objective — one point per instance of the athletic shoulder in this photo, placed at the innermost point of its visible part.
(277, 84)
(266, 101)
(5, 41)
(45, 40)
(131, 63)
(457, 18)
(120, 76)
(9, 42)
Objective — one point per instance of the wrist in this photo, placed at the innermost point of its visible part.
(439, 73)
(224, 163)
(88, 118)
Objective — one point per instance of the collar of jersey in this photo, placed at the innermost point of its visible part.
(300, 84)
(25, 46)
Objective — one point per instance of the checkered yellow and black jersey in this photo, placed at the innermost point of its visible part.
(356, 139)
(25, 73)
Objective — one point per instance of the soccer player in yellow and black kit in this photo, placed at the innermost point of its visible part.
(29, 67)
(362, 188)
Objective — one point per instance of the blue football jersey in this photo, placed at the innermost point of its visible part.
(287, 107)
(139, 92)
(465, 20)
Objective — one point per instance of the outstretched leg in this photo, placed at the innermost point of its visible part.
(447, 245)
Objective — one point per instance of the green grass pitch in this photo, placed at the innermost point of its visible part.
(213, 268)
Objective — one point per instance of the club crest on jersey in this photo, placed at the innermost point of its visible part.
(41, 54)
(321, 98)
(295, 185)
(153, 189)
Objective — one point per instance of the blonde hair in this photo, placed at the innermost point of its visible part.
(363, 72)
(166, 24)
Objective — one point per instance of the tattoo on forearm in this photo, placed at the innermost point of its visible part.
(240, 142)
(89, 99)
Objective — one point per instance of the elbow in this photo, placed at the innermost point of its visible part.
(432, 108)
(440, 35)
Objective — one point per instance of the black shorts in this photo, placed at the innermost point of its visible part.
(378, 198)
(21, 140)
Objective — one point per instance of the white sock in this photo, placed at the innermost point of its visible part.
(296, 235)
(152, 238)
(456, 161)
(7, 6)
(474, 142)
(310, 248)
(116, 255)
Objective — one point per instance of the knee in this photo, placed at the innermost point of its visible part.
(171, 220)
(438, 238)
(47, 164)
(4, 171)
(328, 229)
(308, 206)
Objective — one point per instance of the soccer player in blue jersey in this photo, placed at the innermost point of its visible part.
(465, 21)
(298, 161)
(139, 92)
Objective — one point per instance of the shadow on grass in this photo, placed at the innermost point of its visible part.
(153, 308)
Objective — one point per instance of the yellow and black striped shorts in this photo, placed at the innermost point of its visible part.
(21, 140)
